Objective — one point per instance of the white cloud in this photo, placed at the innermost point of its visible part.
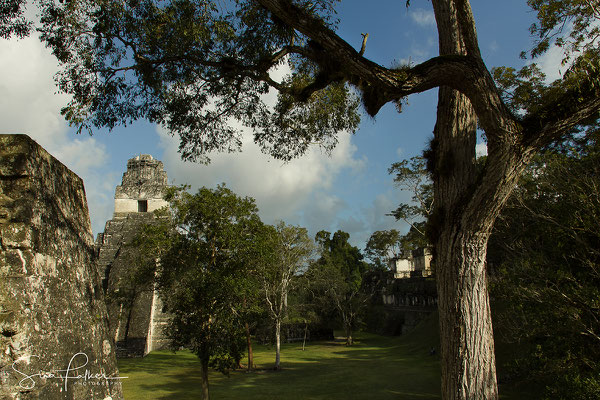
(550, 63)
(481, 149)
(321, 212)
(70, 153)
(375, 217)
(282, 190)
(30, 105)
(422, 17)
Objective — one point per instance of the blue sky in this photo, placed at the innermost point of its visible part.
(351, 190)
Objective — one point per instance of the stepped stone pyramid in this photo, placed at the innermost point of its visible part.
(135, 313)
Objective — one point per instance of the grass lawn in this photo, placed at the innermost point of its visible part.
(375, 368)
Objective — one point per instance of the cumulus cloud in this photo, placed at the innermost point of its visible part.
(481, 149)
(282, 190)
(422, 17)
(30, 105)
(550, 63)
(375, 217)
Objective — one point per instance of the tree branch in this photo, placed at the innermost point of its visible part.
(380, 85)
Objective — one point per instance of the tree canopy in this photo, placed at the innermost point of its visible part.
(196, 65)
(201, 273)
(336, 280)
(12, 19)
(291, 250)
(382, 246)
(545, 253)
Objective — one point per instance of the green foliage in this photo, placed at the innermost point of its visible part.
(290, 250)
(521, 89)
(545, 251)
(570, 24)
(413, 175)
(12, 20)
(383, 245)
(202, 272)
(194, 66)
(335, 280)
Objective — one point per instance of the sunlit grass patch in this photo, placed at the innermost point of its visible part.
(376, 367)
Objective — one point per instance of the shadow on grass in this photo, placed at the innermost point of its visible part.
(375, 368)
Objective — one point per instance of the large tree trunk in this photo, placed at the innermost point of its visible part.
(467, 345)
(466, 337)
(468, 363)
(467, 203)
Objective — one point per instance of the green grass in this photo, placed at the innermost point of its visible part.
(376, 367)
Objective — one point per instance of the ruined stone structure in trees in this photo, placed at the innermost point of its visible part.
(135, 311)
(410, 294)
(416, 265)
(52, 311)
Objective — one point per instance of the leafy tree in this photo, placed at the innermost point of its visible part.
(251, 309)
(194, 65)
(336, 279)
(546, 253)
(412, 175)
(382, 246)
(201, 275)
(291, 248)
(12, 20)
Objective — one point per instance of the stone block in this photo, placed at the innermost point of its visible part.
(54, 336)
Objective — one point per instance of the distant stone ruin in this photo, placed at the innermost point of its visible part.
(410, 294)
(416, 265)
(135, 313)
(54, 338)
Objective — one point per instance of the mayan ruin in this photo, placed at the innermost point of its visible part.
(136, 317)
(52, 310)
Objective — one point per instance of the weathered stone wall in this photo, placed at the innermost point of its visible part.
(416, 265)
(54, 341)
(129, 304)
(144, 180)
(405, 302)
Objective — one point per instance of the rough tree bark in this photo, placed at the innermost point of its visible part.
(466, 336)
(467, 200)
(467, 346)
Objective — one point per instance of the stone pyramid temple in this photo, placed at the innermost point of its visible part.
(135, 312)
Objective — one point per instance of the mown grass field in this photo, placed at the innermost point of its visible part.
(375, 368)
